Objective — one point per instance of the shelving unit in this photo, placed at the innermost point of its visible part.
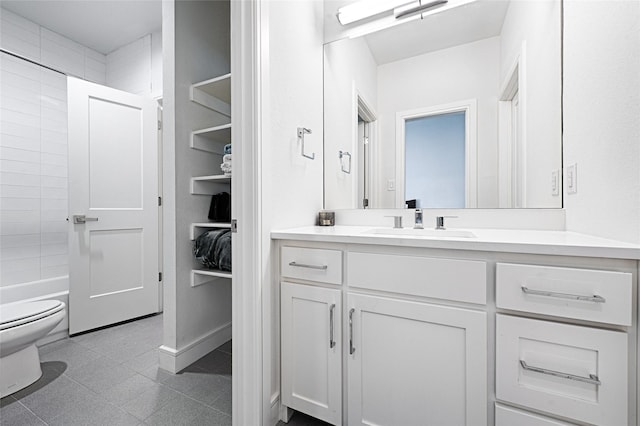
(205, 276)
(207, 185)
(211, 139)
(206, 225)
(214, 94)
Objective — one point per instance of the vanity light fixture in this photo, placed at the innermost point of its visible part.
(389, 12)
(364, 9)
(417, 7)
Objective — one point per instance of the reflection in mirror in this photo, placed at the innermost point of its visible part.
(459, 109)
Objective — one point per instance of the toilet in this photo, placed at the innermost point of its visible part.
(21, 326)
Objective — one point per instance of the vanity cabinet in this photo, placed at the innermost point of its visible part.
(400, 358)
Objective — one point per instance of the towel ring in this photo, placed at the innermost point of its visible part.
(343, 154)
(301, 132)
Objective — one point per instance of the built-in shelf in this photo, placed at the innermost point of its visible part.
(206, 225)
(214, 94)
(212, 139)
(205, 276)
(208, 185)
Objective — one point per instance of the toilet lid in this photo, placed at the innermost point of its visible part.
(15, 314)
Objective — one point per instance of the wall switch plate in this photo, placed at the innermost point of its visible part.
(555, 182)
(572, 178)
(391, 184)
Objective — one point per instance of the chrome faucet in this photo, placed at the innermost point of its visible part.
(397, 221)
(440, 221)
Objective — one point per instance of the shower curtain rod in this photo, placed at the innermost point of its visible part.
(32, 61)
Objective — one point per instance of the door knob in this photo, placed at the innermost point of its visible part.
(80, 219)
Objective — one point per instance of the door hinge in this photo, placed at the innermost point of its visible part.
(365, 203)
(159, 201)
(160, 276)
(159, 125)
(234, 225)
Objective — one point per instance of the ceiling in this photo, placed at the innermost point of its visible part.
(474, 21)
(101, 25)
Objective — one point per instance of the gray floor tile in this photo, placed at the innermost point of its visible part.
(180, 411)
(144, 361)
(150, 401)
(208, 388)
(212, 418)
(223, 403)
(100, 375)
(16, 414)
(183, 382)
(69, 353)
(216, 362)
(128, 390)
(93, 411)
(56, 398)
(156, 373)
(226, 347)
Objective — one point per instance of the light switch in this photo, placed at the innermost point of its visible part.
(555, 182)
(391, 184)
(572, 178)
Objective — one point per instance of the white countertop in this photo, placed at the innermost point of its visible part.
(499, 240)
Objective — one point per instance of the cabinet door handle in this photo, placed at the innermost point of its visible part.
(332, 342)
(595, 298)
(592, 379)
(304, 265)
(352, 349)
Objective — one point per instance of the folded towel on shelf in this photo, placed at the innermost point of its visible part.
(227, 148)
(213, 249)
(226, 165)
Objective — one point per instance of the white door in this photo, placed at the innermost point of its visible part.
(415, 364)
(311, 351)
(113, 206)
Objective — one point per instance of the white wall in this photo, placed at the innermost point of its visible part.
(469, 71)
(33, 155)
(292, 185)
(531, 31)
(602, 117)
(349, 71)
(137, 66)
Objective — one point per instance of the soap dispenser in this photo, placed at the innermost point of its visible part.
(418, 221)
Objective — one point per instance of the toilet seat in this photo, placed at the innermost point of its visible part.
(17, 314)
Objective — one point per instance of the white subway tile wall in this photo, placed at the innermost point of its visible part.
(33, 147)
(33, 173)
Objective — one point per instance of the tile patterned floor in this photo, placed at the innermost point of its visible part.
(111, 377)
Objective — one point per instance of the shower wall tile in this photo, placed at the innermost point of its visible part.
(61, 53)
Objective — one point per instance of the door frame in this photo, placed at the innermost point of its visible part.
(469, 107)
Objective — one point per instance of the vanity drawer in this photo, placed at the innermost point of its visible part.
(509, 416)
(450, 279)
(583, 294)
(576, 372)
(311, 264)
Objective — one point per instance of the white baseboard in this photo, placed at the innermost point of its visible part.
(274, 417)
(176, 360)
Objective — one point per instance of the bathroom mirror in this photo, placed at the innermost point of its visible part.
(459, 109)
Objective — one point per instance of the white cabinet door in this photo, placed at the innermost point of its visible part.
(413, 363)
(311, 351)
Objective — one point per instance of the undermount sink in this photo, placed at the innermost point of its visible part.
(431, 233)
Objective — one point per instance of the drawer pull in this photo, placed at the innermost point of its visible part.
(595, 298)
(352, 349)
(332, 342)
(304, 265)
(592, 379)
